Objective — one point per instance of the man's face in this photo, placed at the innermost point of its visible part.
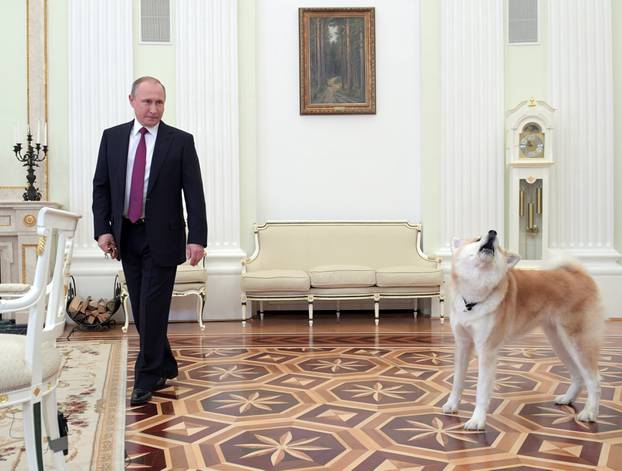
(148, 103)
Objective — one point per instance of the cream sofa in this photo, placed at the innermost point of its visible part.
(339, 260)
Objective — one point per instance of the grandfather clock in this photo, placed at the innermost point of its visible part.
(529, 154)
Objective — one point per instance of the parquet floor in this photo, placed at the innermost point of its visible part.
(327, 399)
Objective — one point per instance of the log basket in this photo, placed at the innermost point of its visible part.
(90, 314)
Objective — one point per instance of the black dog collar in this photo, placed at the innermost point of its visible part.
(469, 306)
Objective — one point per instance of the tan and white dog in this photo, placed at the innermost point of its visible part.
(492, 303)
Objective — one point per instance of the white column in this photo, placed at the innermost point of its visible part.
(100, 75)
(581, 88)
(472, 194)
(207, 106)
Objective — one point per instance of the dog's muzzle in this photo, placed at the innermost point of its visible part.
(489, 247)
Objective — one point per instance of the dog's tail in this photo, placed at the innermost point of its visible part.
(591, 291)
(561, 260)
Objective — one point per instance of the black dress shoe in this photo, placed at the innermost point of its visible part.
(160, 384)
(140, 396)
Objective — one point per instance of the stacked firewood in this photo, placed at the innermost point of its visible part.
(90, 312)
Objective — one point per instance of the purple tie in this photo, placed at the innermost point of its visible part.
(135, 207)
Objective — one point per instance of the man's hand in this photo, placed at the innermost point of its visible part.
(194, 253)
(108, 245)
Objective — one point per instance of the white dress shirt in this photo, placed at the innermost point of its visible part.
(150, 138)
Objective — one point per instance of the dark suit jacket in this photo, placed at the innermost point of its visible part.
(174, 167)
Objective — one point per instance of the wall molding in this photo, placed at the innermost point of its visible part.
(37, 81)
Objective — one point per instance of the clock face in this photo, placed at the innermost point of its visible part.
(531, 145)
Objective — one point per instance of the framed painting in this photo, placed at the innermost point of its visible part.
(337, 61)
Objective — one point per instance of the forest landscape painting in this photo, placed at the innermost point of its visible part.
(337, 61)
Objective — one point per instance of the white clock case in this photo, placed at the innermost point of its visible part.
(542, 114)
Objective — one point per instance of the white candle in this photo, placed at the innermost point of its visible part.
(15, 134)
(38, 131)
(45, 134)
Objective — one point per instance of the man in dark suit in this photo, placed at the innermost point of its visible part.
(142, 169)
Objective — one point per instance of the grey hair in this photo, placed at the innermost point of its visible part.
(146, 78)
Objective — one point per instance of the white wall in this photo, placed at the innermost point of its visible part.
(13, 96)
(616, 11)
(354, 166)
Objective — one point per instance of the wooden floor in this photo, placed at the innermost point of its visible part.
(351, 396)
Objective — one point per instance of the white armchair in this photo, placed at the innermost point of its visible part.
(30, 365)
(189, 281)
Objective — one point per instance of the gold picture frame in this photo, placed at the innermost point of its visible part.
(337, 61)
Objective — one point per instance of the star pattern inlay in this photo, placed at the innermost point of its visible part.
(245, 403)
(378, 391)
(278, 449)
(439, 431)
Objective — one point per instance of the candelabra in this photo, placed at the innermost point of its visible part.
(34, 154)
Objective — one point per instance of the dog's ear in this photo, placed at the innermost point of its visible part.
(455, 243)
(512, 259)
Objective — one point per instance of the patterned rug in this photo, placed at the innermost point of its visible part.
(366, 402)
(91, 393)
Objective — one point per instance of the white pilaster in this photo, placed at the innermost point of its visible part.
(100, 75)
(581, 88)
(472, 195)
(207, 106)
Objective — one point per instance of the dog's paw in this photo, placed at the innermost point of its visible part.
(587, 415)
(475, 423)
(563, 400)
(450, 407)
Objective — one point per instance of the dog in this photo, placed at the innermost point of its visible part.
(492, 303)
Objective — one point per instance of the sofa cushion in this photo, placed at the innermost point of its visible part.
(275, 280)
(342, 276)
(190, 274)
(186, 287)
(408, 275)
(186, 273)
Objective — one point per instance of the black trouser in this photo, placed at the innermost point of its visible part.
(150, 287)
